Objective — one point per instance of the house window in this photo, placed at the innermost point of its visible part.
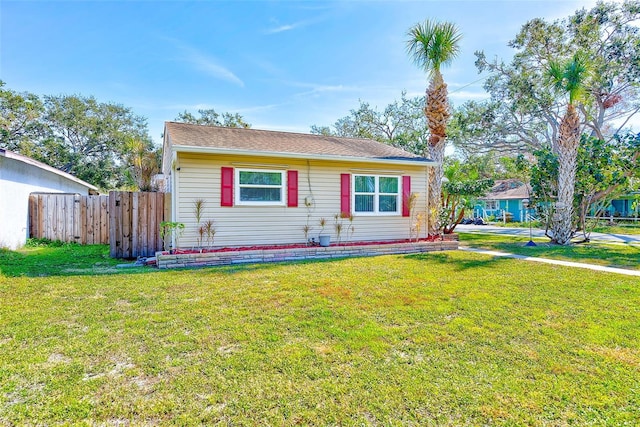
(260, 187)
(376, 194)
(491, 205)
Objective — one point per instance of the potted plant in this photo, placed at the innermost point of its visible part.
(324, 239)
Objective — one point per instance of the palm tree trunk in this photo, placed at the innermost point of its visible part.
(568, 139)
(437, 114)
(436, 153)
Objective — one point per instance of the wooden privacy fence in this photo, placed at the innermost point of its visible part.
(134, 223)
(69, 218)
(128, 222)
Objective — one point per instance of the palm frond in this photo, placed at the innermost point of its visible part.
(569, 76)
(432, 44)
(555, 75)
(575, 76)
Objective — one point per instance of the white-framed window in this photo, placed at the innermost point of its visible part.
(260, 187)
(491, 205)
(376, 195)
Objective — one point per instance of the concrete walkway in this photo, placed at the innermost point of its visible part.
(593, 267)
(524, 232)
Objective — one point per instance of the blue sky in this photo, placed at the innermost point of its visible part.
(283, 65)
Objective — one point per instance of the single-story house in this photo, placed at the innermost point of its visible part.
(19, 177)
(505, 201)
(263, 187)
(626, 206)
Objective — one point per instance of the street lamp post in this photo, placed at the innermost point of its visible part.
(525, 203)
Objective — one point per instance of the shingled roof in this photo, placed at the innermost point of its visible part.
(508, 189)
(189, 137)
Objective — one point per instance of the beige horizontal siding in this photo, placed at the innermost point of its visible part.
(199, 177)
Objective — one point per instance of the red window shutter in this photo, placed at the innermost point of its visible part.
(226, 187)
(292, 189)
(406, 194)
(345, 194)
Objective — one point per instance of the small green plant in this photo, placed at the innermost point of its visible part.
(306, 229)
(309, 204)
(338, 225)
(170, 231)
(412, 199)
(209, 230)
(323, 224)
(418, 220)
(43, 242)
(198, 207)
(351, 229)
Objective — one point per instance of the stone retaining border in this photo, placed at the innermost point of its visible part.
(298, 254)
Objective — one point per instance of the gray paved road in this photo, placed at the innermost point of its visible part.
(596, 237)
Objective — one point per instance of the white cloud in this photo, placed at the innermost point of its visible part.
(211, 67)
(287, 27)
(281, 29)
(205, 63)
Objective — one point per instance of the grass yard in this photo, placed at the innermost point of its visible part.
(631, 228)
(449, 338)
(620, 228)
(57, 258)
(610, 255)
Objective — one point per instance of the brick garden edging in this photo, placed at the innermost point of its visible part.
(298, 254)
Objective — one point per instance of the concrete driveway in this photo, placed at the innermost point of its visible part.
(524, 232)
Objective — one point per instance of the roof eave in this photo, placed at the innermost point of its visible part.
(28, 160)
(191, 149)
(502, 197)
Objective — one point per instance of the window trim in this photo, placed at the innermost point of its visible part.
(491, 205)
(283, 186)
(376, 196)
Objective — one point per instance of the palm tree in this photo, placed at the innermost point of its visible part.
(144, 160)
(568, 77)
(430, 46)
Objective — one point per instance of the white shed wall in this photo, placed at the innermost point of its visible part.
(199, 177)
(17, 181)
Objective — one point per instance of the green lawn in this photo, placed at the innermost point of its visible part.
(620, 228)
(631, 228)
(448, 338)
(611, 255)
(58, 258)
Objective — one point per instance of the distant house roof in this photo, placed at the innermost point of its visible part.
(198, 138)
(508, 189)
(28, 160)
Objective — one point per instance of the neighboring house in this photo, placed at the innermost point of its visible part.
(505, 201)
(19, 177)
(262, 187)
(627, 206)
